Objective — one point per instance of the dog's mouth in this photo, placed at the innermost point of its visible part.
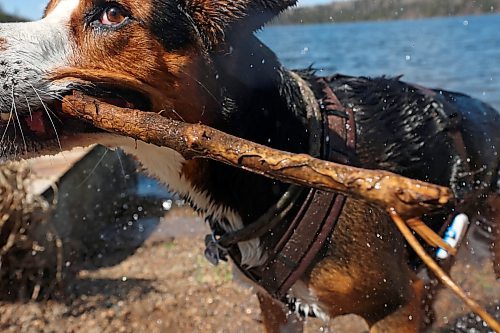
(48, 121)
(47, 124)
(40, 123)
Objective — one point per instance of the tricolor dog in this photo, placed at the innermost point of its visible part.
(199, 61)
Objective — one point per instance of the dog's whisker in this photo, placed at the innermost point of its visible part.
(18, 120)
(48, 115)
(29, 107)
(47, 94)
(174, 112)
(6, 126)
(203, 86)
(57, 97)
(118, 156)
(91, 173)
(61, 99)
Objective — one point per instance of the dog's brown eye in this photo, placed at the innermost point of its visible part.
(113, 15)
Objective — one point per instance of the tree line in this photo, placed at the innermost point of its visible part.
(373, 10)
(4, 17)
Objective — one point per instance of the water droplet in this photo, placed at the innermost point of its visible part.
(167, 205)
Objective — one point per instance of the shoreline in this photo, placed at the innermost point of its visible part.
(427, 18)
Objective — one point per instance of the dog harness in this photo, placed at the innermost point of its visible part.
(319, 213)
(310, 215)
(297, 227)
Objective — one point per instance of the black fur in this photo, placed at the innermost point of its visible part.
(170, 24)
(262, 104)
(406, 130)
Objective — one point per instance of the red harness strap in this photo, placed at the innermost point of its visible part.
(318, 215)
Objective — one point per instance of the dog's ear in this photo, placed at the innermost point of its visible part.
(215, 18)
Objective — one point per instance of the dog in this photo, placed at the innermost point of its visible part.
(198, 61)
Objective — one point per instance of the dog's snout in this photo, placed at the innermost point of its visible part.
(29, 53)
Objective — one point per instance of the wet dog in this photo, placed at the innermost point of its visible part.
(198, 61)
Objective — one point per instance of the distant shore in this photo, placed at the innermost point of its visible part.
(369, 10)
(4, 17)
(382, 10)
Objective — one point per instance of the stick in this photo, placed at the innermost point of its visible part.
(429, 236)
(440, 273)
(410, 197)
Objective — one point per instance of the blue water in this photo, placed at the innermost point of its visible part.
(458, 53)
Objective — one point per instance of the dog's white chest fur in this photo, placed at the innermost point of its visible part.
(166, 165)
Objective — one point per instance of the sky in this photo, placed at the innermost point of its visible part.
(32, 9)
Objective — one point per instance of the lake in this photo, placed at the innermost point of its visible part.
(455, 53)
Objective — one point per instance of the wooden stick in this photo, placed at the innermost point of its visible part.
(410, 197)
(440, 273)
(429, 236)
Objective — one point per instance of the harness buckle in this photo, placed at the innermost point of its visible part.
(214, 252)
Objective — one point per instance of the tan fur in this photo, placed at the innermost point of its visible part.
(51, 5)
(358, 275)
(493, 216)
(275, 316)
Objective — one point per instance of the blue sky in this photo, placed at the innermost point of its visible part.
(33, 8)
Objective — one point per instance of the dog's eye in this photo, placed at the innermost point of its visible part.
(113, 15)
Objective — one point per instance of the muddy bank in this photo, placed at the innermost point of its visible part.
(168, 286)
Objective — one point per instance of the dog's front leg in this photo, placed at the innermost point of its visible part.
(276, 318)
(408, 318)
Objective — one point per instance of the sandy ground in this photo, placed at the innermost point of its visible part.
(168, 286)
